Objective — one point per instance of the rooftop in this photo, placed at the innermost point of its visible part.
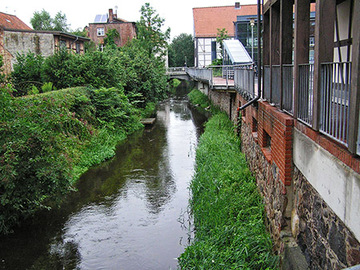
(12, 22)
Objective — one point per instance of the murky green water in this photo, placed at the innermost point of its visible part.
(128, 213)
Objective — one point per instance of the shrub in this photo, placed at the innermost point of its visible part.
(26, 69)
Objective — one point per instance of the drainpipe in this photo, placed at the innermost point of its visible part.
(258, 58)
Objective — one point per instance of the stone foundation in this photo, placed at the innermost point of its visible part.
(270, 186)
(322, 236)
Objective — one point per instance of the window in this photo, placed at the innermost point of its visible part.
(101, 32)
(77, 48)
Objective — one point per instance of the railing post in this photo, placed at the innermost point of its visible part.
(301, 44)
(354, 136)
(324, 48)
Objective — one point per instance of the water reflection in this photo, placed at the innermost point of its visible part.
(126, 212)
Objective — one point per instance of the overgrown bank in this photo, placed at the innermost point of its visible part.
(48, 140)
(227, 208)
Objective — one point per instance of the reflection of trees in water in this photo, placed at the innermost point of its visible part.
(61, 256)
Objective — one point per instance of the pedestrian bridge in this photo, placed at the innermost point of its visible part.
(240, 78)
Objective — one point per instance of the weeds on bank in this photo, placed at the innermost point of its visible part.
(227, 208)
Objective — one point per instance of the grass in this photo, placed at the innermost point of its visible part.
(227, 208)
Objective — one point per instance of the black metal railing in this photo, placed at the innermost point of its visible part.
(335, 94)
(288, 88)
(306, 93)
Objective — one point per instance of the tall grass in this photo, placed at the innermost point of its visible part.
(227, 208)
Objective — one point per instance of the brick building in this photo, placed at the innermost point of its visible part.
(103, 23)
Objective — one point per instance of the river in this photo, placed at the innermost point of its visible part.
(130, 212)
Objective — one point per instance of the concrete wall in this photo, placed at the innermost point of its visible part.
(23, 42)
(337, 184)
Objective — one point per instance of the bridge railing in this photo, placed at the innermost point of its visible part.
(244, 80)
(201, 74)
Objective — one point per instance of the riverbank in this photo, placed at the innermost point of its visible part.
(48, 140)
(227, 207)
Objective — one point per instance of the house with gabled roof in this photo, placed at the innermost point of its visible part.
(105, 22)
(17, 37)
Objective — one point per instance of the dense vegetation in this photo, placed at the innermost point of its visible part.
(227, 208)
(49, 138)
(181, 51)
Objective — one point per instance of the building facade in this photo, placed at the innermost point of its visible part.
(16, 37)
(208, 21)
(301, 137)
(103, 23)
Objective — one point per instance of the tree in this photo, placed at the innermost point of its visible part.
(60, 22)
(111, 37)
(43, 21)
(222, 34)
(181, 51)
(150, 35)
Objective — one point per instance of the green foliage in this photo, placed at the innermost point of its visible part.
(202, 102)
(227, 208)
(141, 75)
(112, 36)
(149, 32)
(43, 21)
(27, 69)
(181, 51)
(48, 140)
(47, 87)
(222, 34)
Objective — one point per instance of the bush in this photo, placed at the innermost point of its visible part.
(27, 69)
(48, 140)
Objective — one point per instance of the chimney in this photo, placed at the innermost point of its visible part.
(237, 5)
(115, 12)
(111, 15)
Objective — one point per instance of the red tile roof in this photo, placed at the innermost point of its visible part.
(208, 19)
(12, 22)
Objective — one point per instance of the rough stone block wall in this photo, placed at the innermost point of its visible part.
(322, 236)
(267, 175)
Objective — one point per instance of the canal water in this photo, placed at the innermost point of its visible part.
(130, 212)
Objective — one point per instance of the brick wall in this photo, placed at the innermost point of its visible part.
(275, 139)
(126, 30)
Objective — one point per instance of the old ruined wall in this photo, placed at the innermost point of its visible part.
(23, 42)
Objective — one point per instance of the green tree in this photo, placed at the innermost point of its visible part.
(111, 37)
(150, 34)
(181, 51)
(43, 21)
(222, 34)
(60, 22)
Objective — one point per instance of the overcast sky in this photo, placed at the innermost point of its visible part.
(79, 13)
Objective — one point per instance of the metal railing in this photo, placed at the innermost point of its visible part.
(288, 88)
(201, 74)
(335, 97)
(306, 93)
(267, 86)
(276, 85)
(244, 81)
